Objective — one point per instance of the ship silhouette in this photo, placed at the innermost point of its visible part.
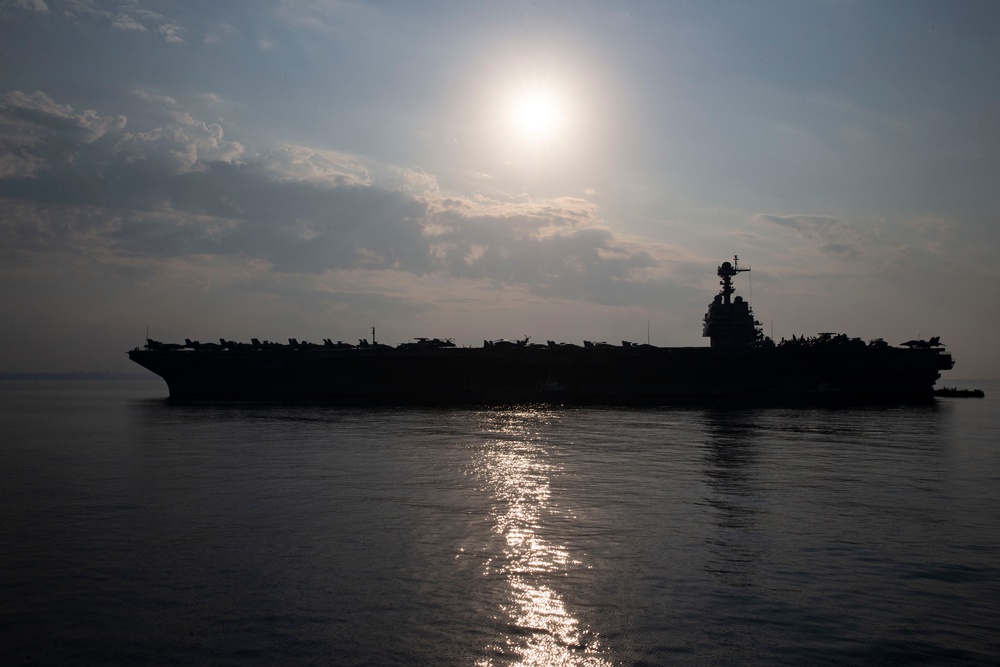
(741, 366)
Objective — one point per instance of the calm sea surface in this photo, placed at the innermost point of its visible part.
(135, 531)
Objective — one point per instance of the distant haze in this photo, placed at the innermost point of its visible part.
(565, 171)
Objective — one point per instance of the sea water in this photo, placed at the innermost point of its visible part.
(138, 531)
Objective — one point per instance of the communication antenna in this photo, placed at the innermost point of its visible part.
(373, 335)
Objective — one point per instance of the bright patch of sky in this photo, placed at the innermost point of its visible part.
(493, 170)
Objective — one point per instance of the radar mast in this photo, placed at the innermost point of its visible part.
(729, 322)
(726, 272)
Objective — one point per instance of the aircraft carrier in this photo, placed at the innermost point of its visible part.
(741, 366)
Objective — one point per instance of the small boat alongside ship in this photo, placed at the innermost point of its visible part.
(955, 392)
(741, 366)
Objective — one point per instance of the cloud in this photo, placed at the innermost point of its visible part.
(415, 181)
(830, 235)
(171, 32)
(44, 113)
(301, 163)
(32, 5)
(131, 17)
(552, 246)
(186, 143)
(183, 192)
(158, 98)
(804, 224)
(221, 34)
(933, 226)
(146, 204)
(35, 131)
(126, 23)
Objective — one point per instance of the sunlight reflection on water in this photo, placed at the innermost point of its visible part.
(515, 469)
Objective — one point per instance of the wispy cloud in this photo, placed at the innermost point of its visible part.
(125, 23)
(149, 96)
(32, 5)
(830, 235)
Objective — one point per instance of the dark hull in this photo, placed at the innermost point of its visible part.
(639, 375)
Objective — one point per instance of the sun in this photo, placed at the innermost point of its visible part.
(536, 114)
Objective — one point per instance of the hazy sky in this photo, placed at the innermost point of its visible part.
(471, 170)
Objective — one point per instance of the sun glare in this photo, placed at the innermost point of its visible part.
(536, 115)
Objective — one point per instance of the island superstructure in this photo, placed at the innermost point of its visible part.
(730, 323)
(740, 366)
